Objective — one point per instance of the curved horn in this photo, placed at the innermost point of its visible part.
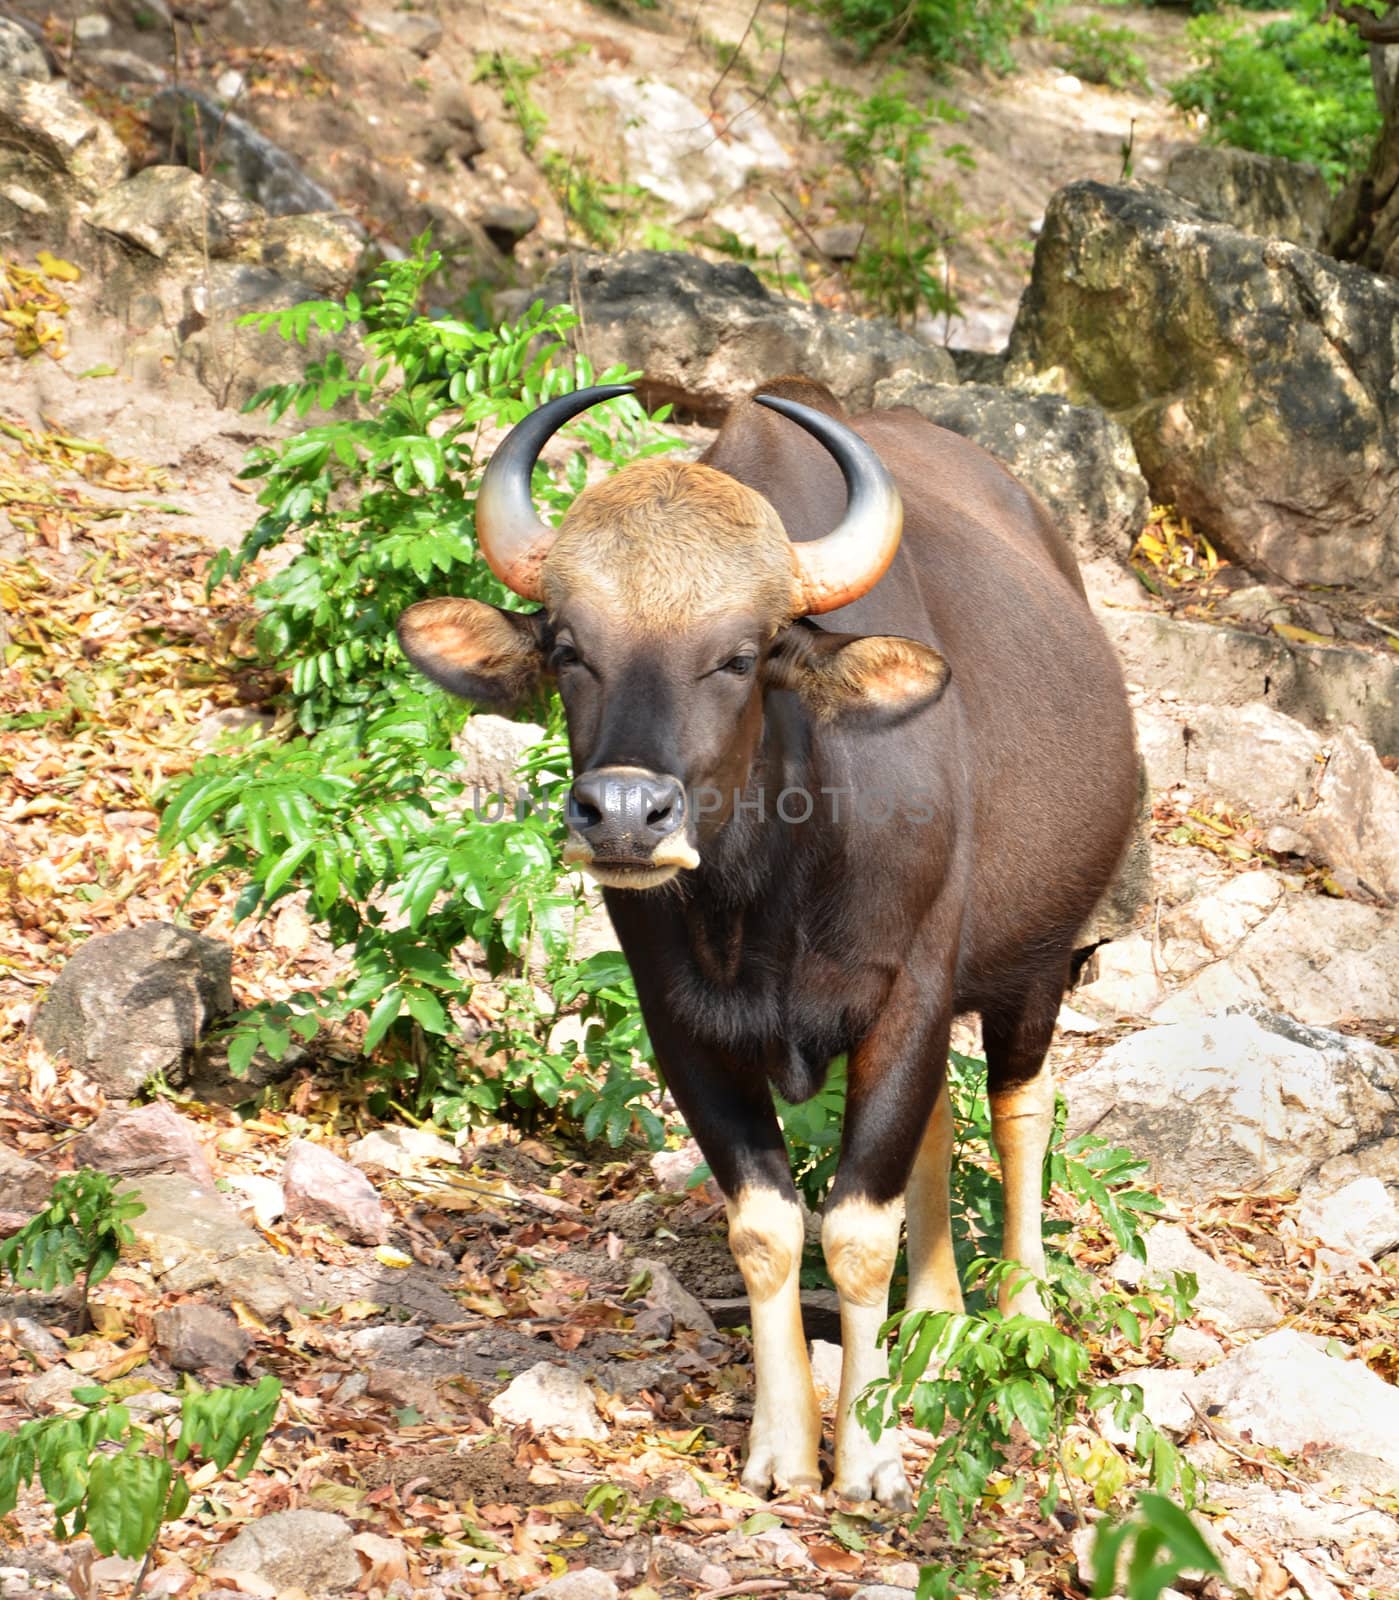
(508, 530)
(855, 554)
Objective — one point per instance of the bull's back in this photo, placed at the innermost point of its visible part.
(1037, 718)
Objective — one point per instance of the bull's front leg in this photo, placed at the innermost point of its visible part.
(894, 1077)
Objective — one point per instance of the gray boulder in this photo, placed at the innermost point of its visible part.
(245, 158)
(705, 333)
(1241, 1100)
(1266, 196)
(21, 54)
(1260, 381)
(308, 1550)
(133, 1004)
(1076, 459)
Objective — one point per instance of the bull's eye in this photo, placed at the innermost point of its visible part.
(564, 656)
(740, 666)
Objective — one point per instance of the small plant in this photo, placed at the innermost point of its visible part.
(884, 144)
(611, 1502)
(938, 33)
(1158, 1542)
(119, 1481)
(78, 1235)
(512, 77)
(1299, 88)
(604, 213)
(1100, 54)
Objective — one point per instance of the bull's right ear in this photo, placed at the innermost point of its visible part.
(491, 657)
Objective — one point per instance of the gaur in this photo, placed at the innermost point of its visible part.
(818, 839)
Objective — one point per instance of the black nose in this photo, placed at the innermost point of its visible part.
(623, 812)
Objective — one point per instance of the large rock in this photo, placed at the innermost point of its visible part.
(55, 155)
(247, 159)
(172, 212)
(1361, 1219)
(1332, 791)
(133, 1004)
(491, 748)
(1242, 1100)
(136, 1140)
(1285, 1394)
(550, 1398)
(1076, 459)
(672, 149)
(704, 333)
(1323, 686)
(21, 54)
(1266, 196)
(1226, 1298)
(306, 1550)
(1260, 381)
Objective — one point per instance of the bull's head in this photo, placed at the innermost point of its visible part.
(671, 594)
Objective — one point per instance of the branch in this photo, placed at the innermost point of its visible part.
(1373, 29)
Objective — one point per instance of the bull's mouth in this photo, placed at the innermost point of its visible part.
(670, 857)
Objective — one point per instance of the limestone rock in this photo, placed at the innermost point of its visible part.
(256, 166)
(199, 1338)
(140, 1139)
(403, 1150)
(319, 1187)
(1361, 1219)
(172, 211)
(308, 1550)
(588, 1583)
(21, 54)
(1259, 380)
(491, 748)
(1266, 196)
(1288, 1395)
(1192, 1347)
(671, 147)
(1228, 1299)
(132, 1004)
(1076, 459)
(667, 1293)
(1323, 686)
(550, 1398)
(414, 30)
(1236, 1101)
(703, 334)
(48, 132)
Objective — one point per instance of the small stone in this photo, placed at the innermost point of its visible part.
(1227, 1298)
(402, 1151)
(838, 241)
(673, 1169)
(91, 26)
(1360, 1220)
(901, 1574)
(667, 1293)
(1192, 1347)
(883, 1591)
(126, 66)
(780, 1548)
(230, 84)
(389, 1339)
(550, 1398)
(1068, 84)
(588, 1583)
(136, 1140)
(826, 1359)
(197, 1338)
(53, 1390)
(320, 1187)
(308, 1550)
(1284, 841)
(414, 31)
(32, 1337)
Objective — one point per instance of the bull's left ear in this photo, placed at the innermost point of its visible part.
(492, 657)
(841, 673)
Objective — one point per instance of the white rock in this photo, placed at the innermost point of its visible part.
(309, 1549)
(1227, 1298)
(1120, 979)
(403, 1150)
(92, 26)
(1164, 1402)
(1243, 1100)
(550, 1398)
(1287, 1395)
(263, 1195)
(588, 1583)
(1362, 1219)
(1192, 1347)
(230, 84)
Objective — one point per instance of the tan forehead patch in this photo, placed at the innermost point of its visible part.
(666, 543)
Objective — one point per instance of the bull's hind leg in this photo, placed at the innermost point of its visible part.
(1020, 1087)
(933, 1282)
(889, 1103)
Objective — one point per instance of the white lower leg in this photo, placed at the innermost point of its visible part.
(766, 1237)
(933, 1283)
(1022, 1123)
(861, 1241)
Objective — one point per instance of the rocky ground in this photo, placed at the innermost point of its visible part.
(474, 1336)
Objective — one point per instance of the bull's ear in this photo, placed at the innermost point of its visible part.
(492, 657)
(837, 674)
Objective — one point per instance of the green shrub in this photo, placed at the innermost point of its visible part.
(78, 1234)
(1100, 54)
(359, 805)
(939, 33)
(1298, 88)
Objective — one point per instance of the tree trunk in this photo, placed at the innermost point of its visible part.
(1364, 223)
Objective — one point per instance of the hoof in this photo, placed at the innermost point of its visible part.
(765, 1478)
(886, 1484)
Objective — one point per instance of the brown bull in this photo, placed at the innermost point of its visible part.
(816, 842)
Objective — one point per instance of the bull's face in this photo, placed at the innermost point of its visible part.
(671, 594)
